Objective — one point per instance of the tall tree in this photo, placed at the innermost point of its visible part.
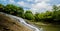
(36, 17)
(12, 9)
(29, 15)
(1, 7)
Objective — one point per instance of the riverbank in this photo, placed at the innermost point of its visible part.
(46, 27)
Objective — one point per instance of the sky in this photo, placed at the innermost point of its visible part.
(33, 5)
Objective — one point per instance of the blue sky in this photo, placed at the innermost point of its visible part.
(33, 5)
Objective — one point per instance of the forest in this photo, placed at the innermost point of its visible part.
(52, 16)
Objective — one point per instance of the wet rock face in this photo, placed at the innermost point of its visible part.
(9, 24)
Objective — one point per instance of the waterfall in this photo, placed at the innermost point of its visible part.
(34, 28)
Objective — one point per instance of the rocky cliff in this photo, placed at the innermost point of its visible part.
(9, 24)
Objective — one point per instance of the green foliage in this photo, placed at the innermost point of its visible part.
(43, 16)
(29, 15)
(1, 7)
(36, 17)
(28, 11)
(12, 9)
(56, 13)
(49, 16)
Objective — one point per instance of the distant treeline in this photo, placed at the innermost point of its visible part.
(52, 16)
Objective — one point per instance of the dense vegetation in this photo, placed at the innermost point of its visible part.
(29, 15)
(12, 9)
(52, 16)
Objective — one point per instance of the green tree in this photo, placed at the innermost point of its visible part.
(1, 7)
(55, 12)
(36, 17)
(28, 11)
(14, 10)
(44, 17)
(29, 15)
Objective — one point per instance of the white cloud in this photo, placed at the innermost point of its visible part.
(24, 4)
(11, 1)
(41, 0)
(21, 3)
(39, 6)
(58, 5)
(29, 0)
(38, 0)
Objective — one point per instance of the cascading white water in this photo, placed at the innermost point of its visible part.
(23, 22)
